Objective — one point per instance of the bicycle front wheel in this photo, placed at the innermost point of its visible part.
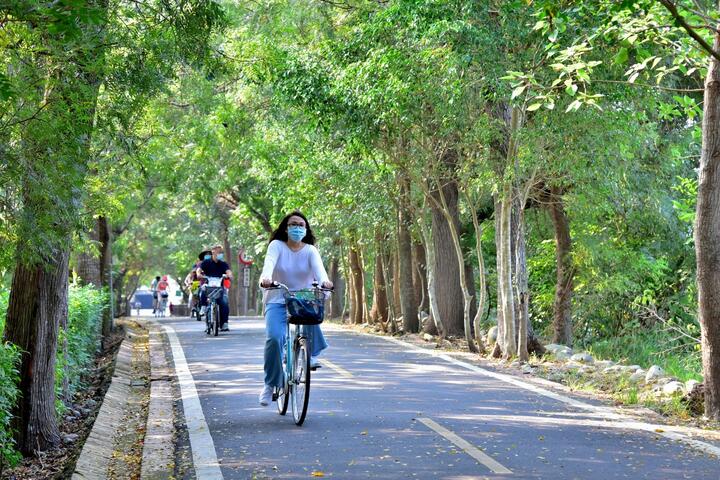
(216, 316)
(300, 386)
(208, 321)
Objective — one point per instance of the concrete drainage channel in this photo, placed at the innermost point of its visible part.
(135, 428)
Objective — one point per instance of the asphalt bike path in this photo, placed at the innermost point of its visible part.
(381, 409)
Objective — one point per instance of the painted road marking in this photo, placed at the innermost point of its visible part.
(607, 413)
(201, 442)
(469, 448)
(338, 369)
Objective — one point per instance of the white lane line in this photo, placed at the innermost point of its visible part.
(469, 448)
(608, 413)
(201, 442)
(338, 369)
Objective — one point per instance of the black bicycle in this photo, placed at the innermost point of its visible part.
(304, 307)
(214, 290)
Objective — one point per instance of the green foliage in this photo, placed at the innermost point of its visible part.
(78, 343)
(9, 379)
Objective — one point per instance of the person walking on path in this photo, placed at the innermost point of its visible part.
(293, 260)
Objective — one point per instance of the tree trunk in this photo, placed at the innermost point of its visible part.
(437, 321)
(105, 247)
(707, 238)
(462, 271)
(520, 275)
(336, 303)
(420, 276)
(38, 299)
(232, 294)
(562, 306)
(358, 280)
(379, 312)
(482, 298)
(449, 294)
(408, 303)
(506, 304)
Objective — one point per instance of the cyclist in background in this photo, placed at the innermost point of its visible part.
(293, 260)
(162, 290)
(192, 282)
(216, 266)
(154, 290)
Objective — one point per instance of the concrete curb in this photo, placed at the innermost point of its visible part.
(98, 449)
(158, 460)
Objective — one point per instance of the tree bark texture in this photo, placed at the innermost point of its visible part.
(420, 276)
(431, 281)
(449, 294)
(38, 300)
(562, 306)
(358, 282)
(379, 312)
(338, 296)
(707, 238)
(506, 299)
(408, 303)
(520, 277)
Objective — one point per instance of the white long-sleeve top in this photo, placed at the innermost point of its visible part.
(297, 270)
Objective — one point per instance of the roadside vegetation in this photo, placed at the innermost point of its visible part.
(542, 168)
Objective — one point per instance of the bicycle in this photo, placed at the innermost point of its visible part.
(214, 289)
(304, 307)
(161, 305)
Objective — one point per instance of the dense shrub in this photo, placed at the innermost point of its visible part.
(9, 378)
(76, 347)
(78, 343)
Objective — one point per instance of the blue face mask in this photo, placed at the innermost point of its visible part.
(207, 257)
(220, 256)
(296, 233)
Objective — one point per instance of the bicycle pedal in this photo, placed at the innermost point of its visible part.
(315, 367)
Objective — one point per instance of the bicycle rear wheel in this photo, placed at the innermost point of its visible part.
(283, 399)
(300, 386)
(216, 316)
(208, 320)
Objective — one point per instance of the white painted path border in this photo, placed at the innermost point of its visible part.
(606, 412)
(468, 447)
(201, 442)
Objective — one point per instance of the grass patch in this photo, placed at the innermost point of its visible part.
(647, 348)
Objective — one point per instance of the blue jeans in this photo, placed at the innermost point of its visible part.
(222, 303)
(275, 327)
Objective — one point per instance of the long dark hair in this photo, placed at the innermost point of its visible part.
(280, 232)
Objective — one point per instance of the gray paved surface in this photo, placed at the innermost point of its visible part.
(365, 426)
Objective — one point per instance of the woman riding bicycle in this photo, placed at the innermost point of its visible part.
(293, 260)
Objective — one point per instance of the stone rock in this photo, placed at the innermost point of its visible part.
(515, 363)
(492, 335)
(91, 402)
(691, 386)
(70, 418)
(673, 387)
(631, 368)
(604, 363)
(653, 374)
(554, 348)
(70, 438)
(586, 369)
(638, 375)
(561, 355)
(582, 357)
(427, 337)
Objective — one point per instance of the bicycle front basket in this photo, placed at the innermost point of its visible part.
(305, 311)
